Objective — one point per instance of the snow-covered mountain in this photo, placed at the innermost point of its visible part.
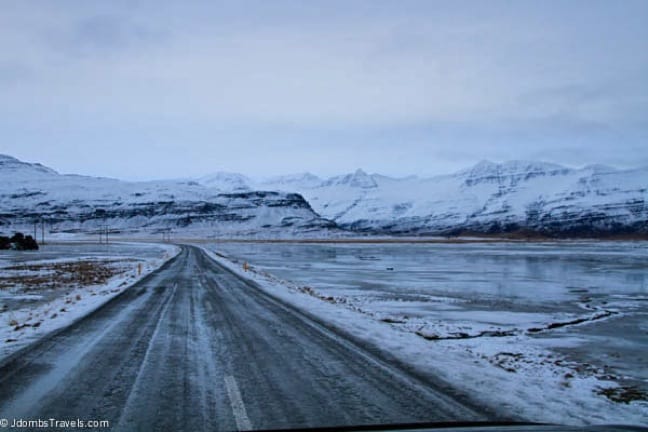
(226, 181)
(71, 203)
(290, 182)
(489, 197)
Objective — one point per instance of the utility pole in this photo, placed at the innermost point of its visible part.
(103, 231)
(42, 231)
(103, 234)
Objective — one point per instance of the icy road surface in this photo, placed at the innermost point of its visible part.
(195, 347)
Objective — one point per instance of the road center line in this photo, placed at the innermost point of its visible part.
(238, 408)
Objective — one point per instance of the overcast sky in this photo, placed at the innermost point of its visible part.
(157, 89)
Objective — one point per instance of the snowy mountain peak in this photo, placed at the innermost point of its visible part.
(299, 180)
(483, 166)
(358, 179)
(599, 168)
(518, 166)
(486, 167)
(23, 169)
(510, 172)
(226, 181)
(7, 158)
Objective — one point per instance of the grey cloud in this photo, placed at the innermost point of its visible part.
(14, 73)
(101, 35)
(562, 96)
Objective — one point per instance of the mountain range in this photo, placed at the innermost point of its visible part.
(30, 193)
(488, 198)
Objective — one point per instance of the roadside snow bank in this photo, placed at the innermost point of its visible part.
(510, 374)
(19, 328)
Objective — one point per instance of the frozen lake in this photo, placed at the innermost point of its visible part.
(586, 300)
(530, 275)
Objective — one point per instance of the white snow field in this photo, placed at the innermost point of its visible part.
(551, 332)
(42, 291)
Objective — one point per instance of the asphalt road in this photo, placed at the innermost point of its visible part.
(194, 347)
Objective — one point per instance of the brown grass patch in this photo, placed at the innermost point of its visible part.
(64, 274)
(623, 394)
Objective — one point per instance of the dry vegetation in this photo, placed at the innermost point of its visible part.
(50, 276)
(624, 394)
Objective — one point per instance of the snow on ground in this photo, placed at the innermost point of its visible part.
(523, 375)
(42, 311)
